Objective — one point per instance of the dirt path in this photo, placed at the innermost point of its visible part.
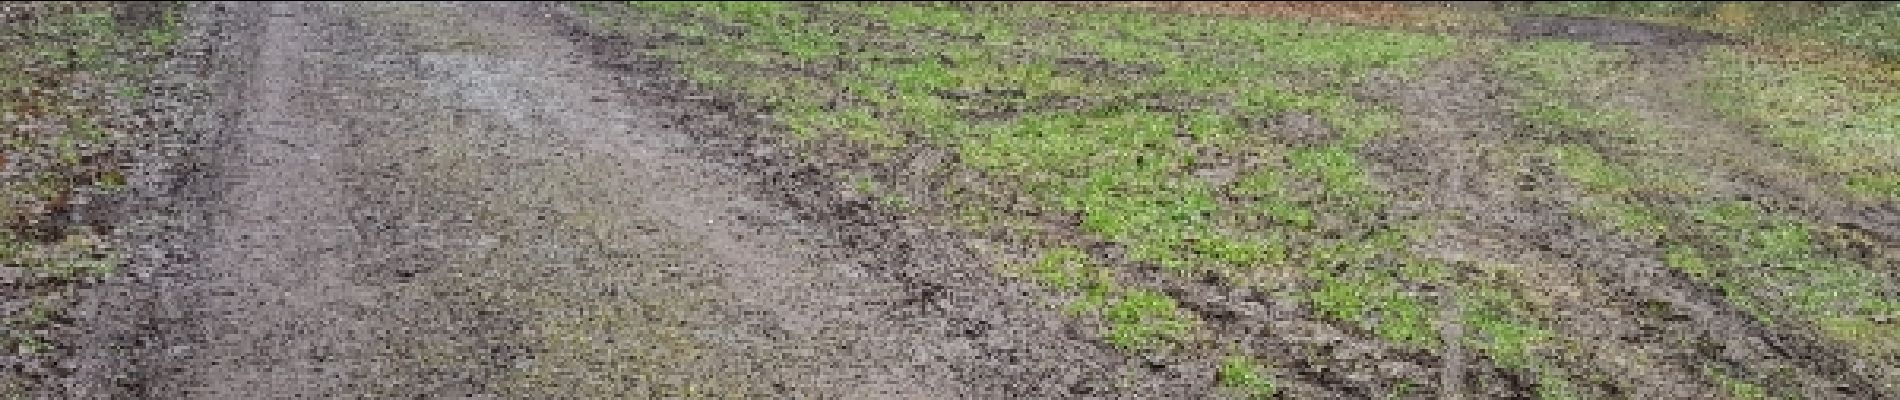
(451, 200)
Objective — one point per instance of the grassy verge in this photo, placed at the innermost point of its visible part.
(1232, 150)
(1775, 265)
(1846, 122)
(62, 66)
(1202, 145)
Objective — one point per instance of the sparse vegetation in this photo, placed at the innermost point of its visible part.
(1766, 262)
(1298, 208)
(1136, 318)
(61, 64)
(1863, 26)
(1235, 150)
(1246, 376)
(1847, 123)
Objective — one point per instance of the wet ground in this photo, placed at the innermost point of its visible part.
(453, 199)
(491, 200)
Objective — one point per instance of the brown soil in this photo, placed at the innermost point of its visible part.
(458, 200)
(468, 199)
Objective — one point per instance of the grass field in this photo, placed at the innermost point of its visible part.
(1149, 152)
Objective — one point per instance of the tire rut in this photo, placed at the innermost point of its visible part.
(1455, 111)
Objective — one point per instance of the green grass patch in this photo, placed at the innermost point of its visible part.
(1136, 318)
(1341, 178)
(1628, 219)
(1885, 185)
(1069, 269)
(1600, 175)
(1144, 319)
(1572, 65)
(1105, 116)
(1772, 265)
(1591, 170)
(1556, 82)
(1765, 263)
(1108, 119)
(1498, 322)
(1247, 377)
(1565, 115)
(1847, 125)
(1498, 327)
(1380, 304)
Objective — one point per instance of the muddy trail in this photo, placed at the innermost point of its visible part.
(505, 200)
(452, 200)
